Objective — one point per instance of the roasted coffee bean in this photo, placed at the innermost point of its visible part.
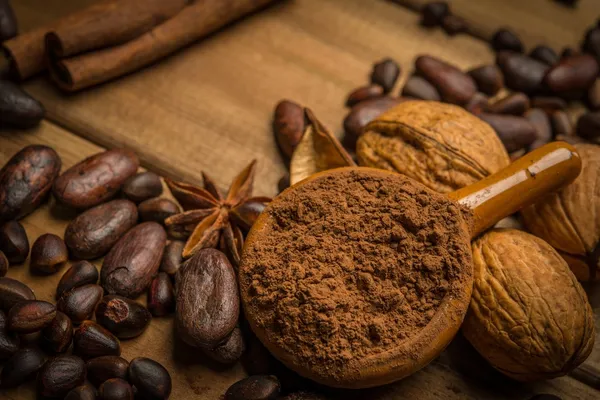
(363, 113)
(57, 336)
(84, 392)
(521, 73)
(95, 179)
(26, 179)
(488, 78)
(79, 303)
(588, 125)
(453, 25)
(172, 257)
(21, 367)
(8, 21)
(81, 273)
(453, 85)
(288, 126)
(544, 54)
(385, 73)
(561, 123)
(505, 39)
(13, 292)
(91, 340)
(433, 13)
(132, 263)
(150, 378)
(13, 242)
(256, 387)
(142, 186)
(124, 317)
(513, 104)
(18, 108)
(161, 299)
(540, 120)
(48, 254)
(572, 76)
(283, 184)
(9, 342)
(514, 132)
(204, 318)
(115, 389)
(363, 93)
(591, 42)
(548, 104)
(420, 88)
(101, 369)
(61, 374)
(93, 233)
(231, 350)
(593, 96)
(30, 316)
(157, 209)
(3, 264)
(479, 103)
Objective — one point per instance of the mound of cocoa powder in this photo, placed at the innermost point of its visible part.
(353, 265)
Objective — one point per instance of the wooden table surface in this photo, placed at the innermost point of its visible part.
(209, 108)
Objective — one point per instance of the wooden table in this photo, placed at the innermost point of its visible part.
(209, 108)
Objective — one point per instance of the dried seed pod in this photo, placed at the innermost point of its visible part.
(59, 375)
(13, 242)
(30, 316)
(419, 88)
(288, 126)
(142, 186)
(13, 292)
(57, 336)
(505, 39)
(157, 209)
(48, 254)
(453, 85)
(260, 387)
(91, 340)
(150, 378)
(513, 104)
(115, 389)
(101, 369)
(79, 303)
(123, 317)
(488, 78)
(172, 257)
(385, 74)
(161, 298)
(81, 273)
(18, 108)
(21, 367)
(361, 94)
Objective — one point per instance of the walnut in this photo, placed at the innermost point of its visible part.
(529, 317)
(570, 219)
(440, 145)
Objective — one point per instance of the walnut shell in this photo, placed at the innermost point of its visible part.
(529, 317)
(570, 219)
(440, 145)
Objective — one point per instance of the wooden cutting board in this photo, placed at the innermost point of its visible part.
(209, 108)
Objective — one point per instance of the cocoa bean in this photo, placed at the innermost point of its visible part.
(588, 125)
(541, 122)
(150, 378)
(123, 317)
(26, 179)
(521, 73)
(3, 264)
(94, 232)
(561, 123)
(454, 85)
(161, 299)
(245, 214)
(9, 342)
(549, 104)
(8, 21)
(101, 369)
(488, 78)
(453, 25)
(91, 340)
(48, 254)
(513, 104)
(283, 183)
(30, 316)
(142, 186)
(363, 93)
(572, 76)
(115, 389)
(207, 299)
(231, 350)
(157, 209)
(61, 374)
(385, 73)
(95, 179)
(568, 52)
(84, 392)
(593, 96)
(13, 292)
(364, 112)
(420, 88)
(591, 42)
(479, 103)
(13, 242)
(505, 39)
(21, 367)
(434, 12)
(544, 54)
(81, 273)
(80, 302)
(57, 336)
(172, 257)
(17, 108)
(257, 387)
(134, 260)
(514, 132)
(288, 126)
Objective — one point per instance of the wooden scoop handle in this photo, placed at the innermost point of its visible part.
(519, 185)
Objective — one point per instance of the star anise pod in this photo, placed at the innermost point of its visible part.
(211, 220)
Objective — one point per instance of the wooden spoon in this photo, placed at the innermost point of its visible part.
(542, 171)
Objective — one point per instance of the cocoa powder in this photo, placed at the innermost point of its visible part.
(353, 265)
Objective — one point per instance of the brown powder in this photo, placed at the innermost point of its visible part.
(353, 265)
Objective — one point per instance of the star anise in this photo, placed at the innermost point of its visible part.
(211, 220)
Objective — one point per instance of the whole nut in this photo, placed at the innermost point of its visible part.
(488, 78)
(150, 378)
(230, 351)
(13, 292)
(48, 254)
(521, 284)
(567, 219)
(399, 140)
(454, 85)
(363, 113)
(115, 389)
(13, 242)
(142, 186)
(95, 179)
(543, 129)
(101, 369)
(573, 76)
(30, 316)
(288, 126)
(157, 209)
(420, 88)
(9, 342)
(385, 73)
(513, 104)
(514, 132)
(561, 123)
(26, 179)
(505, 39)
(3, 264)
(84, 392)
(81, 273)
(208, 303)
(172, 257)
(8, 21)
(18, 108)
(61, 374)
(544, 54)
(521, 73)
(91, 340)
(123, 317)
(134, 260)
(57, 336)
(257, 387)
(434, 12)
(21, 367)
(161, 299)
(363, 93)
(80, 302)
(588, 125)
(93, 233)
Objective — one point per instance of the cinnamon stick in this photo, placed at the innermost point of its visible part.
(103, 24)
(193, 23)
